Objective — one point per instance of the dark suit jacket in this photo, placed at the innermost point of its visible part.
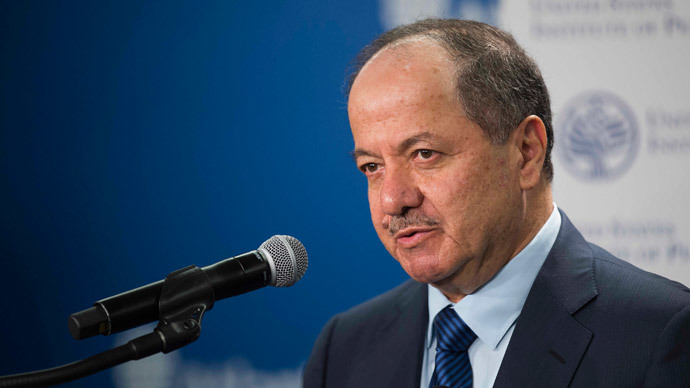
(590, 320)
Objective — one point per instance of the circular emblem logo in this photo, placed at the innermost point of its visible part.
(598, 136)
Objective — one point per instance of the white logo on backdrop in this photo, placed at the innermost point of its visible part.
(597, 136)
(396, 12)
(172, 371)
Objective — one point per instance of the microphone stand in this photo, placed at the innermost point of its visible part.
(186, 295)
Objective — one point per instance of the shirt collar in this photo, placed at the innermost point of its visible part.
(493, 308)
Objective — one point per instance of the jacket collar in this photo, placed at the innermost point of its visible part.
(548, 343)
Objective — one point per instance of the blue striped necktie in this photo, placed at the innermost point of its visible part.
(454, 337)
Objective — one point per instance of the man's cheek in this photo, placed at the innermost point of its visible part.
(374, 204)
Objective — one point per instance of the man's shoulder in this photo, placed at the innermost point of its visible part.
(581, 270)
(621, 280)
(377, 343)
(359, 330)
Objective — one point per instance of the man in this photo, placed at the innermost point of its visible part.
(452, 127)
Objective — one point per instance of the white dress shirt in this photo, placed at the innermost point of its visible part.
(492, 310)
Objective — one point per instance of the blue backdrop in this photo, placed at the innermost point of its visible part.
(140, 137)
(137, 138)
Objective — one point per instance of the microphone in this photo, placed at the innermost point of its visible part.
(280, 261)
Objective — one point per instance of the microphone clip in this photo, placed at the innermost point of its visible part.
(186, 295)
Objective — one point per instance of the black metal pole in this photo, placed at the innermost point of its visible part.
(135, 349)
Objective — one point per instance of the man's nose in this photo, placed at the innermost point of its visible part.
(399, 192)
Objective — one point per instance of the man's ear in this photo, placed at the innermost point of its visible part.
(531, 142)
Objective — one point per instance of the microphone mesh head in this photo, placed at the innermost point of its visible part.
(289, 258)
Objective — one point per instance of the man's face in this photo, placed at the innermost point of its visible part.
(443, 199)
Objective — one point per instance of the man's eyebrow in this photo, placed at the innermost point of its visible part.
(411, 141)
(403, 146)
(356, 153)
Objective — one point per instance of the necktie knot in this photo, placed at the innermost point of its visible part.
(452, 333)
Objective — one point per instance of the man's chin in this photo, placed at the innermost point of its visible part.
(424, 271)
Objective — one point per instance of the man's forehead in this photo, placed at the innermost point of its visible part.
(408, 57)
(401, 96)
(398, 77)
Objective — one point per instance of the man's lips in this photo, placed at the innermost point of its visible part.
(409, 237)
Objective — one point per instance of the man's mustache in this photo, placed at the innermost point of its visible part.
(398, 223)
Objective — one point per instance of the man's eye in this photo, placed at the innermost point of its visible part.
(370, 167)
(425, 154)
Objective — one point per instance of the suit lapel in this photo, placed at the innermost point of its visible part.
(400, 343)
(548, 343)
